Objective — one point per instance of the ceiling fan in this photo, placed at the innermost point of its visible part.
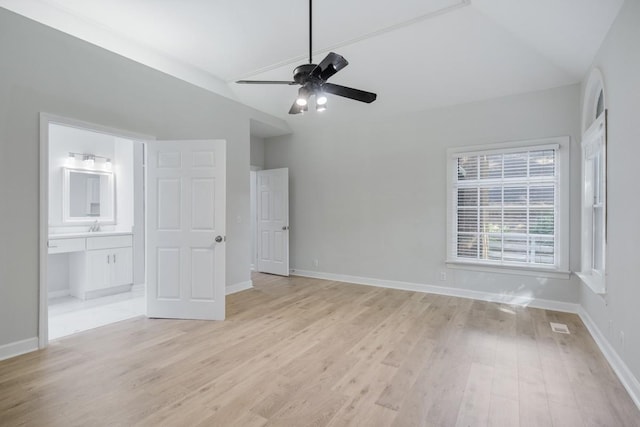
(313, 79)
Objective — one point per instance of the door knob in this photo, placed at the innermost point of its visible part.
(285, 227)
(219, 239)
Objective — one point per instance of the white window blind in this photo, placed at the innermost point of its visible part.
(505, 206)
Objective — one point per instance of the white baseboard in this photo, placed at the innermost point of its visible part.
(443, 290)
(239, 287)
(628, 380)
(17, 348)
(59, 294)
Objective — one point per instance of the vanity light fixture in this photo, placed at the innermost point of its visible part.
(89, 160)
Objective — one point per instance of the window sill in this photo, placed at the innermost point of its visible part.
(594, 282)
(550, 273)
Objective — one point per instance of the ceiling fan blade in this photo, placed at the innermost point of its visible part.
(348, 92)
(266, 82)
(331, 64)
(297, 109)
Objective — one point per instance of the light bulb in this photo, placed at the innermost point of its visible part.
(301, 101)
(321, 108)
(89, 161)
(321, 99)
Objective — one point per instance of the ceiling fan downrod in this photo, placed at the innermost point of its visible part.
(310, 32)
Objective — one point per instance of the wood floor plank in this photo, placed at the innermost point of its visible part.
(308, 352)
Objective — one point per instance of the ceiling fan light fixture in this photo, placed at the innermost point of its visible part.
(303, 96)
(321, 98)
(321, 107)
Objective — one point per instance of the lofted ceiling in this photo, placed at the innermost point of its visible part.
(416, 54)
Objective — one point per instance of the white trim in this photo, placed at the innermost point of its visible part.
(59, 294)
(43, 232)
(626, 377)
(595, 85)
(239, 287)
(563, 152)
(506, 146)
(594, 142)
(17, 348)
(506, 269)
(503, 298)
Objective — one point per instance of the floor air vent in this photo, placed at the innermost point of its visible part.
(560, 328)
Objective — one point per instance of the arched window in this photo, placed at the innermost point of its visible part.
(594, 184)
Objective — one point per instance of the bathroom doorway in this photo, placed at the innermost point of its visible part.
(129, 223)
(96, 242)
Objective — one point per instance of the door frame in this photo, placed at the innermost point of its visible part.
(253, 262)
(284, 228)
(43, 205)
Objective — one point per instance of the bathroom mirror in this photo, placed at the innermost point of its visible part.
(88, 196)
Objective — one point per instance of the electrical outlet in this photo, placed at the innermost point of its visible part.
(315, 263)
(443, 276)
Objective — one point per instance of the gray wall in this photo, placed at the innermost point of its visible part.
(43, 70)
(369, 199)
(257, 151)
(619, 61)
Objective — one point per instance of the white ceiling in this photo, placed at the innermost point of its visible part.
(416, 54)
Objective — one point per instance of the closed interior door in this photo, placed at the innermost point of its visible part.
(273, 221)
(186, 229)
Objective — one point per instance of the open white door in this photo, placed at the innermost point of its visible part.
(186, 229)
(273, 221)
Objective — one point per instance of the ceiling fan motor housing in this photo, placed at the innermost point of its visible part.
(302, 73)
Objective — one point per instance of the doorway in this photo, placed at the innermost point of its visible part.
(270, 221)
(95, 227)
(128, 225)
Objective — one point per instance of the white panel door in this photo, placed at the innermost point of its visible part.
(186, 229)
(273, 221)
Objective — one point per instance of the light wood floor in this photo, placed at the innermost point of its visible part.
(304, 352)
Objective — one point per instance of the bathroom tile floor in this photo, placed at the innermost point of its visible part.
(69, 315)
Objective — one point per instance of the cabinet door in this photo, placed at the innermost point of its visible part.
(98, 269)
(122, 266)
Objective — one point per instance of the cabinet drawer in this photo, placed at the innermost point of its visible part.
(108, 242)
(59, 246)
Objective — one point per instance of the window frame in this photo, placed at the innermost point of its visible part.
(594, 144)
(561, 231)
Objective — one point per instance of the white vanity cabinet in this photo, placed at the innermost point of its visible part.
(98, 265)
(105, 268)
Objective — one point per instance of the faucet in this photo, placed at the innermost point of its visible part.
(94, 227)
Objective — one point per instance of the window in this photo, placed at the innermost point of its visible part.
(594, 188)
(507, 205)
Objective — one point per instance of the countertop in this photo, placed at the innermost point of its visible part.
(89, 234)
